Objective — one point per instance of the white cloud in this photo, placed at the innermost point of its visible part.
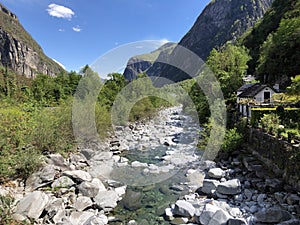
(61, 30)
(76, 29)
(60, 11)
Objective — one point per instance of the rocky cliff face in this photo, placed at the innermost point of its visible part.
(19, 51)
(141, 63)
(220, 21)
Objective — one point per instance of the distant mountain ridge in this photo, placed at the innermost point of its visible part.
(220, 21)
(141, 63)
(19, 51)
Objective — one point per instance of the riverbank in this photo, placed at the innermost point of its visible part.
(150, 172)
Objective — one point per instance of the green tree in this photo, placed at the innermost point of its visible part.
(294, 89)
(229, 65)
(279, 54)
(111, 88)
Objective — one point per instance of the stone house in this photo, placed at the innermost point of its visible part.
(254, 95)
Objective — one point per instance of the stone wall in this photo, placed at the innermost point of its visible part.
(280, 156)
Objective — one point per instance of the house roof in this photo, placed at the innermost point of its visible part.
(244, 87)
(252, 89)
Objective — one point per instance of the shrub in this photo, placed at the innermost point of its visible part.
(26, 132)
(271, 123)
(53, 129)
(232, 141)
(288, 116)
(6, 203)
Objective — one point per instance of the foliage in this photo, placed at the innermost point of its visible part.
(53, 129)
(7, 82)
(270, 122)
(229, 65)
(292, 96)
(26, 132)
(256, 36)
(288, 117)
(6, 210)
(273, 42)
(110, 89)
(294, 89)
(48, 91)
(279, 55)
(232, 141)
(200, 102)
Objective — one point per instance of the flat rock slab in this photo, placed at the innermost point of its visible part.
(216, 173)
(82, 203)
(230, 187)
(63, 182)
(32, 205)
(107, 199)
(91, 189)
(214, 215)
(79, 218)
(272, 215)
(78, 175)
(209, 186)
(184, 208)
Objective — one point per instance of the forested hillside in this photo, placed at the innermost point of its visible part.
(274, 43)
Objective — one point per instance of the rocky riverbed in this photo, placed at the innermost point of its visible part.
(151, 173)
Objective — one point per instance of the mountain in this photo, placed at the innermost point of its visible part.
(274, 44)
(141, 63)
(19, 51)
(221, 21)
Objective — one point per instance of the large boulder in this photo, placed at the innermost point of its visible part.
(209, 186)
(97, 220)
(272, 215)
(132, 200)
(230, 187)
(56, 210)
(213, 215)
(216, 173)
(184, 208)
(91, 189)
(290, 222)
(79, 218)
(106, 200)
(82, 203)
(78, 175)
(237, 221)
(32, 205)
(62, 182)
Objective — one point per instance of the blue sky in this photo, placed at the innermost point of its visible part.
(77, 32)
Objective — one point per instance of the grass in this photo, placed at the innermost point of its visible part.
(27, 133)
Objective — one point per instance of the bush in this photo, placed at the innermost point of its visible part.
(271, 122)
(288, 116)
(26, 132)
(232, 141)
(53, 129)
(6, 203)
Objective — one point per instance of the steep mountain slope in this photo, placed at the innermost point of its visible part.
(274, 43)
(220, 21)
(19, 51)
(141, 63)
